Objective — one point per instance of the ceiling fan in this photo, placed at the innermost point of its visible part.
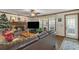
(34, 13)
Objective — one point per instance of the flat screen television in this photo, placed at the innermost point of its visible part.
(33, 25)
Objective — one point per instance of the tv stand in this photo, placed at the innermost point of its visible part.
(32, 30)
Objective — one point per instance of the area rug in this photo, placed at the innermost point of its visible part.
(69, 44)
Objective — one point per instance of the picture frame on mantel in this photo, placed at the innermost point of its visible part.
(12, 18)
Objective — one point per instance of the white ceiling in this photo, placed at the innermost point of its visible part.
(26, 12)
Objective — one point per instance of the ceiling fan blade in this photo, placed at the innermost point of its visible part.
(37, 13)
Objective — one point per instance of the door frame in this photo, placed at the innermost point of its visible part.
(65, 22)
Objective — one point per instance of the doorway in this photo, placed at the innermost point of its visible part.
(71, 26)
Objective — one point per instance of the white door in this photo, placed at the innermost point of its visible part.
(72, 26)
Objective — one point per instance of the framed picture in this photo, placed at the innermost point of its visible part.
(12, 18)
(59, 19)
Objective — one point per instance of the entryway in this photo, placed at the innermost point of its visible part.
(71, 26)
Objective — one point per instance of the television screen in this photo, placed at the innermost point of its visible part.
(33, 24)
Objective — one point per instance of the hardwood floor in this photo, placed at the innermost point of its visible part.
(59, 40)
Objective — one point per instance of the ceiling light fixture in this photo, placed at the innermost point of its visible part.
(34, 13)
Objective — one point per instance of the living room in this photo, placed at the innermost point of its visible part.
(23, 29)
(39, 29)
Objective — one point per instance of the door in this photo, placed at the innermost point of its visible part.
(72, 26)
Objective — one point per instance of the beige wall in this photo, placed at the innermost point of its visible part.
(59, 25)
